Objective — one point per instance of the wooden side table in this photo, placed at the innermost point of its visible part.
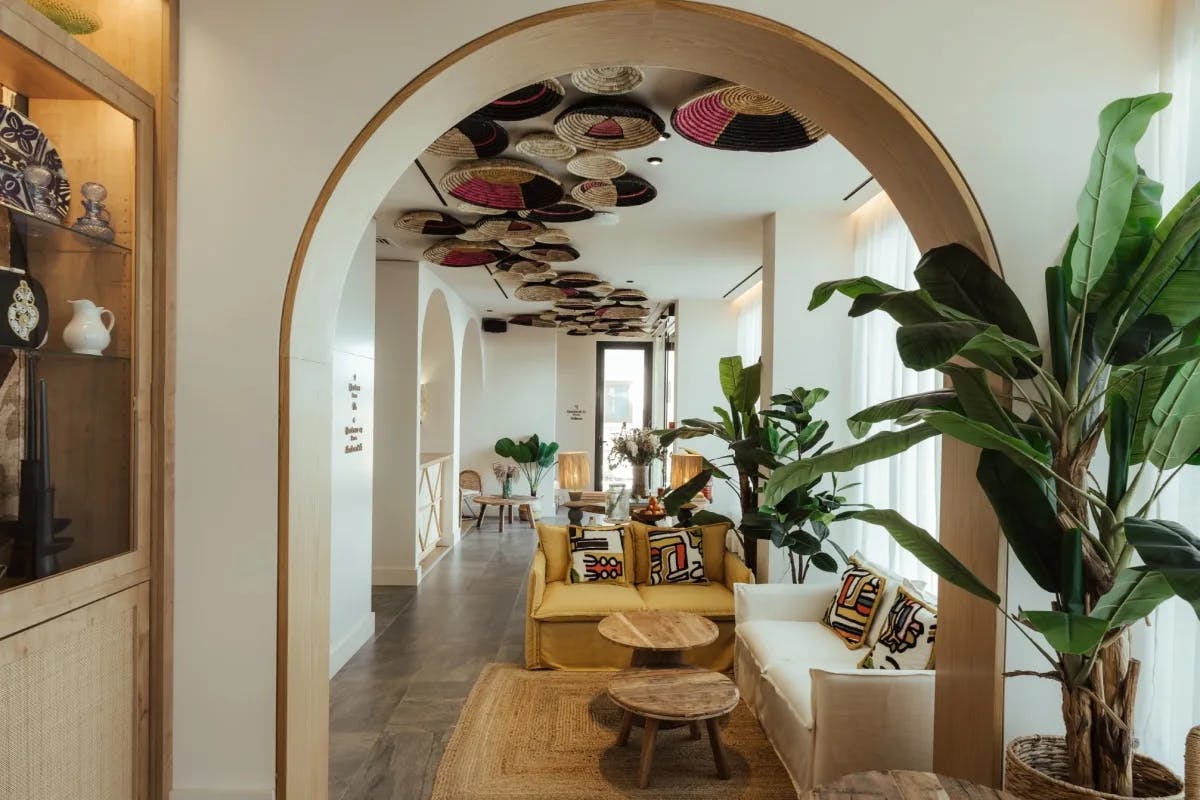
(903, 785)
(658, 638)
(680, 695)
(503, 503)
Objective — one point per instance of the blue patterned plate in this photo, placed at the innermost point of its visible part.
(22, 143)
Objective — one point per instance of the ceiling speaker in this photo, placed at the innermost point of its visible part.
(494, 325)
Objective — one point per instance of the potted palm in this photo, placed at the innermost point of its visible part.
(1123, 371)
(534, 458)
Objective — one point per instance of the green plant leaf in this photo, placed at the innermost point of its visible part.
(1118, 434)
(725, 419)
(1060, 328)
(977, 400)
(1173, 433)
(1104, 203)
(1170, 549)
(986, 437)
(851, 287)
(1145, 212)
(506, 448)
(730, 370)
(1071, 581)
(860, 423)
(1170, 358)
(882, 445)
(680, 495)
(1027, 517)
(1075, 634)
(706, 517)
(1135, 593)
(824, 562)
(928, 551)
(906, 307)
(929, 345)
(954, 276)
(1140, 390)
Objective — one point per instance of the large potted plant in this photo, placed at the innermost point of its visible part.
(1122, 370)
(533, 456)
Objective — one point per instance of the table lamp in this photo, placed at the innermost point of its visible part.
(574, 472)
(684, 467)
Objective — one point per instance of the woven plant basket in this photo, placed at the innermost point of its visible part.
(730, 116)
(602, 124)
(503, 183)
(474, 137)
(1036, 767)
(457, 253)
(553, 236)
(546, 145)
(553, 253)
(525, 103)
(430, 223)
(596, 165)
(70, 17)
(538, 293)
(565, 211)
(608, 80)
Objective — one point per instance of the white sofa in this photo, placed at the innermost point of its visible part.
(824, 716)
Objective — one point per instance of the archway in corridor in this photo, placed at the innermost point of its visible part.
(473, 452)
(438, 432)
(857, 108)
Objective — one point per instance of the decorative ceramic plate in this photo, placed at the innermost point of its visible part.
(565, 211)
(525, 103)
(474, 137)
(606, 124)
(502, 183)
(730, 116)
(22, 143)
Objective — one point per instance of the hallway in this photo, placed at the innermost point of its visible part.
(395, 703)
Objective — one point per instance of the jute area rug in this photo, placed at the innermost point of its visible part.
(551, 736)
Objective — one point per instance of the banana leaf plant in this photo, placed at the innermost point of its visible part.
(761, 441)
(534, 458)
(1122, 368)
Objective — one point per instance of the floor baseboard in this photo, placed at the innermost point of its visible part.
(395, 576)
(350, 644)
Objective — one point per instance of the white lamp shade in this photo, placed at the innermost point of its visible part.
(574, 471)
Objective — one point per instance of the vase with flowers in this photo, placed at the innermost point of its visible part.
(505, 475)
(638, 447)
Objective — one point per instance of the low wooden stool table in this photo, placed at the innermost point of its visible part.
(658, 638)
(903, 785)
(682, 695)
(502, 503)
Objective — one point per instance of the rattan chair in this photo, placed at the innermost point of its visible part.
(470, 485)
(1191, 771)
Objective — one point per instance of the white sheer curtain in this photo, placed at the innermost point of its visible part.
(909, 482)
(749, 324)
(1169, 647)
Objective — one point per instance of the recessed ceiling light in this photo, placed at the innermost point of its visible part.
(629, 281)
(655, 160)
(489, 311)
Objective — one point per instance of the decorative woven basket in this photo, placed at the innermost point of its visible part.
(607, 80)
(627, 190)
(597, 165)
(578, 279)
(430, 223)
(471, 208)
(527, 268)
(503, 183)
(630, 332)
(457, 253)
(546, 145)
(630, 295)
(68, 16)
(553, 236)
(565, 211)
(730, 116)
(473, 234)
(553, 253)
(474, 137)
(1191, 770)
(538, 293)
(609, 125)
(580, 332)
(495, 227)
(600, 290)
(525, 103)
(1036, 767)
(575, 304)
(622, 312)
(531, 321)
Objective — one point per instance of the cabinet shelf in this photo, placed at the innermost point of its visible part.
(43, 236)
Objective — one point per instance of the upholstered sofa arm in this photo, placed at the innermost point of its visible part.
(736, 571)
(783, 602)
(537, 582)
(871, 719)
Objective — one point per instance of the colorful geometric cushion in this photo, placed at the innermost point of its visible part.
(855, 604)
(597, 554)
(676, 555)
(908, 635)
(714, 550)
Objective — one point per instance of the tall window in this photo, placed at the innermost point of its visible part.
(909, 482)
(749, 324)
(623, 383)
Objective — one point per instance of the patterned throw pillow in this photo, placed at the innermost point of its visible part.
(676, 555)
(908, 635)
(855, 604)
(597, 554)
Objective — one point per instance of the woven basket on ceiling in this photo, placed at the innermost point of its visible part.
(430, 223)
(457, 253)
(508, 224)
(580, 279)
(575, 304)
(531, 321)
(1038, 766)
(546, 145)
(474, 137)
(607, 80)
(553, 236)
(528, 269)
(622, 312)
(473, 234)
(629, 295)
(730, 116)
(580, 332)
(502, 183)
(603, 124)
(596, 165)
(525, 103)
(552, 253)
(600, 290)
(627, 190)
(565, 211)
(72, 18)
(471, 208)
(538, 293)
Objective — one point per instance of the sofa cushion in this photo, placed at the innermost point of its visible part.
(855, 604)
(598, 554)
(676, 556)
(773, 642)
(714, 551)
(908, 637)
(553, 541)
(708, 599)
(586, 600)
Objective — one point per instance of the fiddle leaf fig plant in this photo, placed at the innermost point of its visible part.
(534, 458)
(1121, 368)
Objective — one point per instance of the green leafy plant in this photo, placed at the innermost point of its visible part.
(760, 441)
(1124, 368)
(533, 456)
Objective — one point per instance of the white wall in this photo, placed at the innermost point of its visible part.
(977, 73)
(351, 621)
(576, 389)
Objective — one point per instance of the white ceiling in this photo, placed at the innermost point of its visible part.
(698, 238)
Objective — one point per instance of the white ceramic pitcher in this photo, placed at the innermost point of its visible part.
(86, 333)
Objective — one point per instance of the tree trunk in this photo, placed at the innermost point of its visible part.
(1099, 723)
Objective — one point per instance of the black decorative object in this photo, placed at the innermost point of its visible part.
(25, 312)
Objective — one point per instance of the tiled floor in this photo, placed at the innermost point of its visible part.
(394, 705)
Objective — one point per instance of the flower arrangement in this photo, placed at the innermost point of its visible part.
(637, 446)
(505, 472)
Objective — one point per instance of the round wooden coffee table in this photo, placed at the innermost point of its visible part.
(520, 500)
(903, 785)
(680, 695)
(658, 638)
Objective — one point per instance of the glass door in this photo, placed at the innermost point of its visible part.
(623, 375)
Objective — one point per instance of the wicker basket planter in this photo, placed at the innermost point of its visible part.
(1036, 767)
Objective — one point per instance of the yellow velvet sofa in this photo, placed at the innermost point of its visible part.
(561, 617)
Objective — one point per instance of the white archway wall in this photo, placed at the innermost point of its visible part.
(474, 452)
(437, 377)
(1008, 128)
